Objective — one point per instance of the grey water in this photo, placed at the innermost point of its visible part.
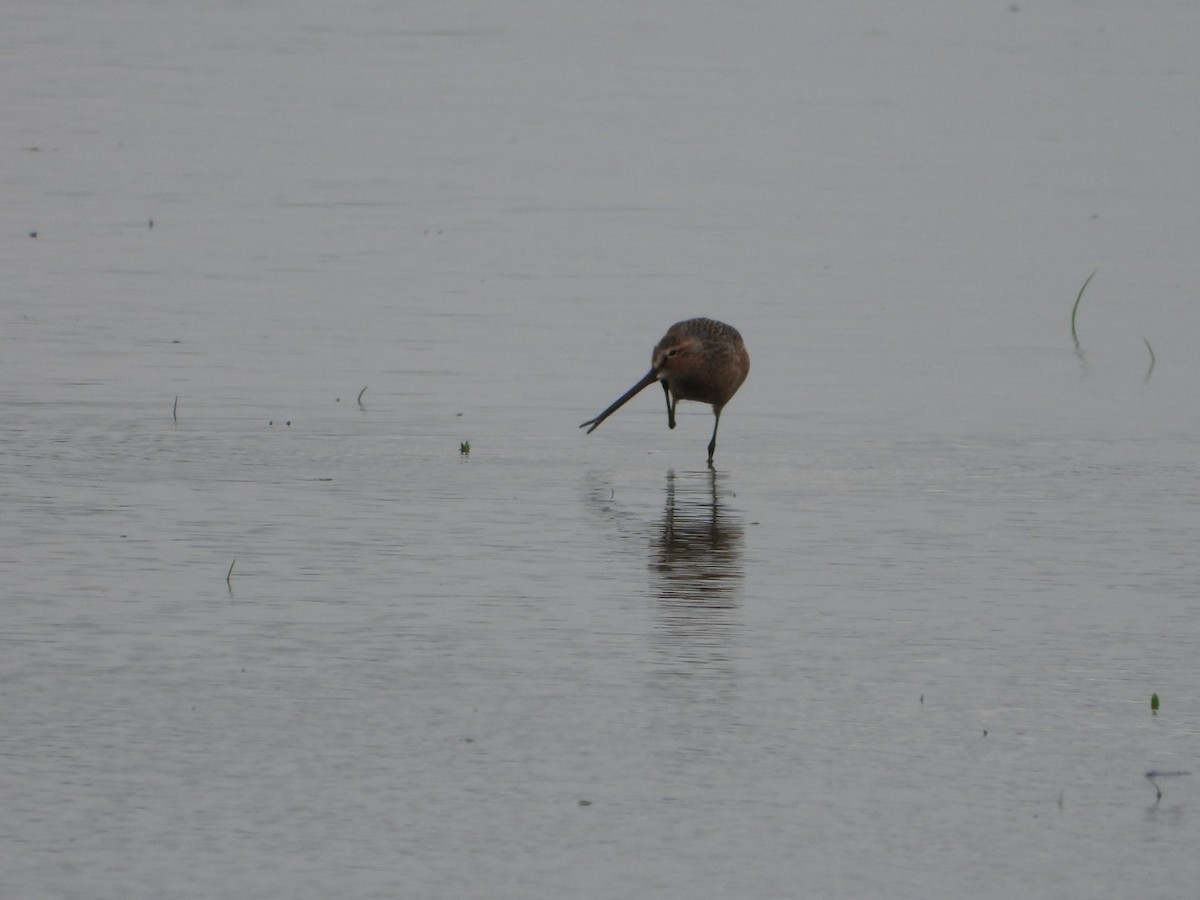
(269, 634)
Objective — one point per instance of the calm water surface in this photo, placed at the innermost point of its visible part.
(899, 643)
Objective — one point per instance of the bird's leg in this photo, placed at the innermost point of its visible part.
(712, 445)
(670, 406)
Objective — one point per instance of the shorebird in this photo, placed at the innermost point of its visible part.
(697, 359)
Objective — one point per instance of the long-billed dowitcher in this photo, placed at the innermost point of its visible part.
(697, 359)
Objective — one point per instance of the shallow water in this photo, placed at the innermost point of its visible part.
(264, 639)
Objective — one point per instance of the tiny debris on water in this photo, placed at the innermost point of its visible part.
(464, 448)
(1153, 775)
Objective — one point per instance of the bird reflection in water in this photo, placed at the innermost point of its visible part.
(697, 575)
(698, 554)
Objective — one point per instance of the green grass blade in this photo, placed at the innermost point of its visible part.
(1075, 308)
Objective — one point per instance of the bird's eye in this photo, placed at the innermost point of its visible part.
(671, 353)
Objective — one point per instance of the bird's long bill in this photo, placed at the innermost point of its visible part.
(649, 379)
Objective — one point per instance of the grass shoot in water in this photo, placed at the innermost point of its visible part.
(1075, 308)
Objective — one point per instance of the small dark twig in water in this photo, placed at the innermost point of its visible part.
(229, 575)
(175, 410)
(360, 396)
(1152, 360)
(1155, 774)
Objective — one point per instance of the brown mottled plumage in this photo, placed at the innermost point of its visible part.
(697, 359)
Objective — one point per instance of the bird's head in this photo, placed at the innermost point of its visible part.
(675, 354)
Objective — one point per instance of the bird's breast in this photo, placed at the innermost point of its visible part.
(685, 387)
